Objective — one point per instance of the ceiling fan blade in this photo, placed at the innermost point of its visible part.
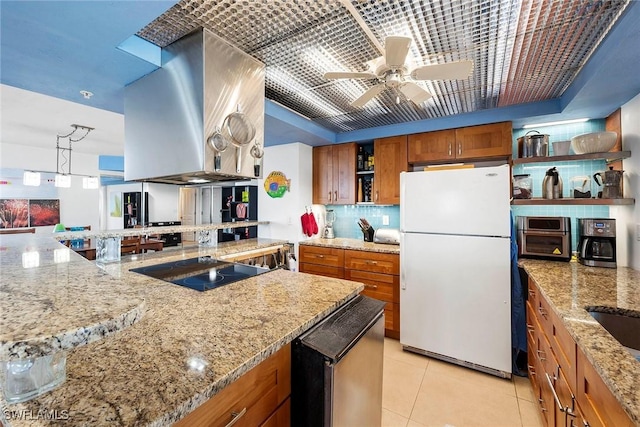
(451, 71)
(395, 50)
(414, 92)
(368, 95)
(348, 75)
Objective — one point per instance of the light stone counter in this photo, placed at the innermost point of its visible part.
(187, 345)
(355, 244)
(569, 288)
(143, 231)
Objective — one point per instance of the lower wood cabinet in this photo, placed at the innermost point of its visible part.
(380, 273)
(569, 390)
(258, 398)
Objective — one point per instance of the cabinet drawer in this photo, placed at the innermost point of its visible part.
(372, 261)
(255, 395)
(321, 270)
(323, 256)
(564, 349)
(599, 406)
(384, 287)
(282, 416)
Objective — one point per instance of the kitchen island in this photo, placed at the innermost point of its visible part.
(182, 349)
(569, 287)
(352, 244)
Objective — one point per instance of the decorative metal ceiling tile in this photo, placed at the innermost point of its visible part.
(523, 50)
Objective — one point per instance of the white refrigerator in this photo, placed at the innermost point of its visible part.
(455, 294)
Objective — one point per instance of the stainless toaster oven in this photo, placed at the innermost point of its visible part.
(547, 237)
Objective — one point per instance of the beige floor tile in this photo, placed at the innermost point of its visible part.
(391, 419)
(400, 384)
(530, 414)
(446, 399)
(524, 389)
(486, 382)
(393, 350)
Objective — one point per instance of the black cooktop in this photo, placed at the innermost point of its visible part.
(202, 273)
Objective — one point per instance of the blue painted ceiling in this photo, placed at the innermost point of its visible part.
(59, 48)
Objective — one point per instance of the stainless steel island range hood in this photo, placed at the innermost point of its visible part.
(207, 94)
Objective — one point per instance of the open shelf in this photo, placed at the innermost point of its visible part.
(568, 201)
(608, 156)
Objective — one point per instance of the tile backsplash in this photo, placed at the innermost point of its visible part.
(347, 217)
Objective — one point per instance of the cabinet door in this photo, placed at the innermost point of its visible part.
(323, 175)
(344, 174)
(492, 140)
(429, 146)
(251, 399)
(390, 160)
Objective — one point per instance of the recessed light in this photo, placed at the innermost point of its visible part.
(86, 94)
(198, 180)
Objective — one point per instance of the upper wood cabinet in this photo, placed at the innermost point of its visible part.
(334, 174)
(473, 142)
(391, 159)
(494, 140)
(428, 146)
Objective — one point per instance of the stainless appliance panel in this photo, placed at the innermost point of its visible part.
(597, 247)
(355, 387)
(544, 237)
(232, 80)
(163, 115)
(170, 113)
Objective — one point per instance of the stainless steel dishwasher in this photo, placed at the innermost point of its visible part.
(337, 368)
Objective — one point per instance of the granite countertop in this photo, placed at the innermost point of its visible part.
(184, 348)
(86, 234)
(570, 287)
(354, 244)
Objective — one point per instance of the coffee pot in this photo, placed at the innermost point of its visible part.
(552, 184)
(612, 182)
(597, 177)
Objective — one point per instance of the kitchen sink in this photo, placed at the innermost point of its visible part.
(623, 325)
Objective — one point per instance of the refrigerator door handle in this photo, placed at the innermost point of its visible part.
(403, 283)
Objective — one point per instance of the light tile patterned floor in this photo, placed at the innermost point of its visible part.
(419, 391)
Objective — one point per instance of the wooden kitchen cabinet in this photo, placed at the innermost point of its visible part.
(322, 261)
(484, 141)
(391, 159)
(430, 146)
(334, 174)
(380, 273)
(473, 142)
(254, 399)
(569, 390)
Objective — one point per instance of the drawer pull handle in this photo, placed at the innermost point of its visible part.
(371, 286)
(336, 194)
(319, 256)
(555, 395)
(236, 416)
(530, 327)
(532, 293)
(532, 369)
(329, 198)
(541, 354)
(542, 312)
(371, 262)
(449, 149)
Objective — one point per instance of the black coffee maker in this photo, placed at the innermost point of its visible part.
(597, 247)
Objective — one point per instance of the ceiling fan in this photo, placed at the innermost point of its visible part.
(391, 71)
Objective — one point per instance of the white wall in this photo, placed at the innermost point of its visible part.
(78, 207)
(295, 161)
(628, 217)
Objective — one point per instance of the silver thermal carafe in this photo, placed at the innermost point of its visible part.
(552, 185)
(597, 246)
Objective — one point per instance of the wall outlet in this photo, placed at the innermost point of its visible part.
(385, 219)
